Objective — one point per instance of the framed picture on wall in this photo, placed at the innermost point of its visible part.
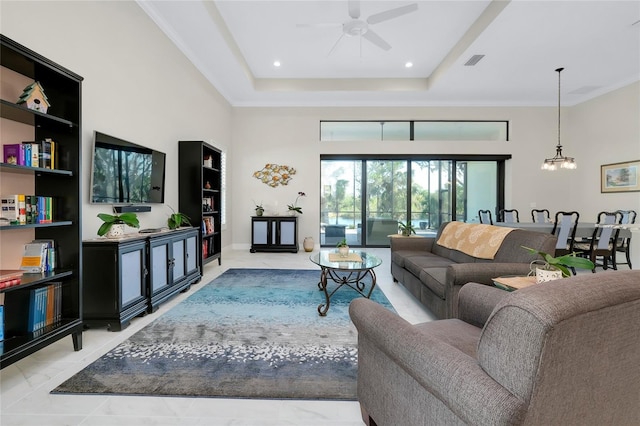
(620, 177)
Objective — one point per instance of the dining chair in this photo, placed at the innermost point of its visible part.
(622, 244)
(509, 215)
(564, 228)
(485, 217)
(540, 216)
(603, 241)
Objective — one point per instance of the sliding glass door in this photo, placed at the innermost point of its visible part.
(363, 199)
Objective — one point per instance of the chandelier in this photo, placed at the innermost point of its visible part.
(559, 160)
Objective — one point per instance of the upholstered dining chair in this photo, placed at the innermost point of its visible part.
(603, 241)
(509, 215)
(622, 245)
(564, 228)
(540, 216)
(485, 217)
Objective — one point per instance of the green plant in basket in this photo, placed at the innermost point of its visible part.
(564, 262)
(129, 219)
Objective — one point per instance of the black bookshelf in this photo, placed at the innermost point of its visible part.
(62, 123)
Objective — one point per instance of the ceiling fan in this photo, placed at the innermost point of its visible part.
(362, 28)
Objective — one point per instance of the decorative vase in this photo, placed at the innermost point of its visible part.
(259, 212)
(308, 244)
(116, 230)
(544, 275)
(343, 251)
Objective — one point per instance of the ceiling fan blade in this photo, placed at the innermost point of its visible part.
(319, 25)
(376, 39)
(392, 13)
(354, 8)
(335, 45)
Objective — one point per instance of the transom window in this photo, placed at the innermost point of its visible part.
(426, 130)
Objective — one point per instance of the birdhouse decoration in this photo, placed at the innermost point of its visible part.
(34, 98)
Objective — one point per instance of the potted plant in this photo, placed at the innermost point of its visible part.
(113, 225)
(406, 229)
(558, 267)
(259, 209)
(343, 247)
(176, 220)
(293, 208)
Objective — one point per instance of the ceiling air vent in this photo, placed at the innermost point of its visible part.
(473, 60)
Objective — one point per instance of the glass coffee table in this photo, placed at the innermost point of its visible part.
(349, 271)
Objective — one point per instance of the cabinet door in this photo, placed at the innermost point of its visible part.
(192, 253)
(287, 232)
(159, 266)
(260, 231)
(178, 255)
(131, 276)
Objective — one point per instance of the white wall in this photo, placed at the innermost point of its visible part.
(137, 85)
(604, 130)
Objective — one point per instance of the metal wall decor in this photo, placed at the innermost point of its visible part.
(274, 174)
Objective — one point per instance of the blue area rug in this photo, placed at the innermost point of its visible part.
(250, 333)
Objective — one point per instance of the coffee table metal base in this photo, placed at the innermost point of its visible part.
(351, 279)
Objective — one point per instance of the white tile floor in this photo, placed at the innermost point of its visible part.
(25, 385)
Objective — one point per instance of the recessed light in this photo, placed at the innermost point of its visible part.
(408, 65)
(276, 63)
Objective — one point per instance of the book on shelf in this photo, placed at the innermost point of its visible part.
(1, 318)
(32, 153)
(9, 204)
(10, 277)
(45, 307)
(207, 225)
(13, 154)
(45, 154)
(50, 261)
(34, 258)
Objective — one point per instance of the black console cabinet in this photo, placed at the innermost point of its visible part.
(274, 234)
(133, 275)
(173, 265)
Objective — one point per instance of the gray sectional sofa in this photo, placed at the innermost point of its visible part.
(434, 274)
(563, 352)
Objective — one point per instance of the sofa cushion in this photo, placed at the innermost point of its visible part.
(398, 257)
(457, 333)
(435, 279)
(415, 264)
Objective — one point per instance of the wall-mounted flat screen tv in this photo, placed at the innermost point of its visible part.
(126, 173)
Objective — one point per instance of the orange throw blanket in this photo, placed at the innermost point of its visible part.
(477, 240)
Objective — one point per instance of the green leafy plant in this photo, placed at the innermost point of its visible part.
(129, 219)
(342, 243)
(177, 219)
(294, 207)
(259, 209)
(406, 229)
(564, 262)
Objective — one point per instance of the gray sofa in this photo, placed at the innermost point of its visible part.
(565, 352)
(435, 274)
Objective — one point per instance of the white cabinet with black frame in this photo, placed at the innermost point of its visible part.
(274, 234)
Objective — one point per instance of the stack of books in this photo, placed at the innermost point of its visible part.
(45, 307)
(39, 256)
(23, 209)
(10, 277)
(42, 154)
